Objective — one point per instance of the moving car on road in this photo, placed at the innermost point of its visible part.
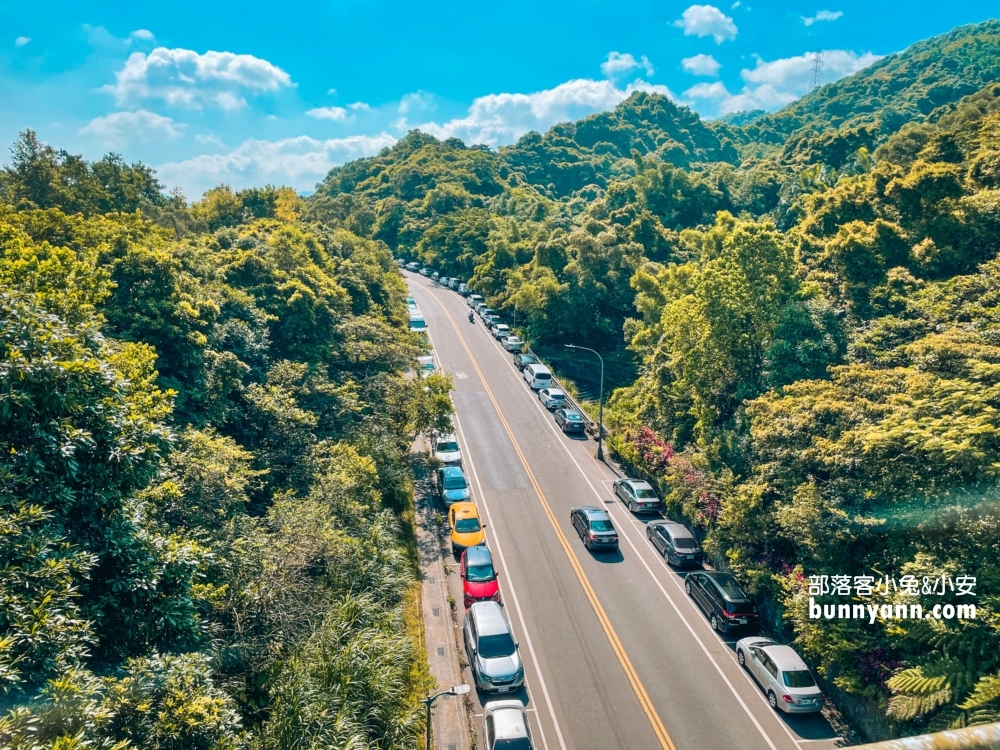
(492, 650)
(466, 528)
(552, 398)
(674, 542)
(445, 449)
(479, 577)
(512, 343)
(781, 673)
(523, 360)
(537, 376)
(594, 526)
(720, 597)
(505, 725)
(451, 485)
(500, 330)
(569, 420)
(637, 495)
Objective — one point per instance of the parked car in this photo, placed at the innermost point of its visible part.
(491, 320)
(473, 299)
(722, 600)
(412, 266)
(484, 311)
(417, 322)
(537, 376)
(425, 365)
(523, 360)
(425, 271)
(505, 725)
(445, 449)
(400, 262)
(453, 284)
(552, 398)
(493, 655)
(780, 671)
(434, 276)
(463, 289)
(570, 420)
(451, 485)
(479, 577)
(466, 528)
(442, 280)
(512, 343)
(594, 526)
(674, 542)
(638, 495)
(500, 330)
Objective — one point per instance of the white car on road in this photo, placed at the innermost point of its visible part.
(552, 398)
(512, 344)
(780, 671)
(500, 330)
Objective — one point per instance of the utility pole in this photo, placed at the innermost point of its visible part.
(600, 402)
(429, 702)
(816, 79)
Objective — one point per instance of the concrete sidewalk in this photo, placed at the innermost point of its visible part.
(450, 724)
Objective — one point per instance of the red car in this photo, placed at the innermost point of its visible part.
(479, 578)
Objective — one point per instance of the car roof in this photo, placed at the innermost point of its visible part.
(638, 484)
(592, 511)
(555, 391)
(729, 585)
(451, 471)
(785, 658)
(489, 618)
(675, 528)
(478, 555)
(465, 509)
(449, 436)
(508, 720)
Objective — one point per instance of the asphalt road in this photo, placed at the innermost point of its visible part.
(616, 655)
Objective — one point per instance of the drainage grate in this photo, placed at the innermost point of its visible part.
(440, 650)
(436, 611)
(430, 580)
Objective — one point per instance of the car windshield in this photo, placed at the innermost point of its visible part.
(455, 482)
(417, 324)
(601, 525)
(557, 396)
(685, 542)
(542, 376)
(572, 416)
(447, 446)
(529, 359)
(645, 494)
(493, 646)
(798, 679)
(467, 525)
(479, 573)
(517, 743)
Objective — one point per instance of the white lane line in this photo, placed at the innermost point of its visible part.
(616, 507)
(509, 587)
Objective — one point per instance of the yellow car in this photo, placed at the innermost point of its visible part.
(466, 529)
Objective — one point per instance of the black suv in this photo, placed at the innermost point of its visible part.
(523, 360)
(721, 598)
(674, 542)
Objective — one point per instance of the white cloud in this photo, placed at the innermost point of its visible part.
(144, 35)
(503, 118)
(618, 64)
(327, 113)
(359, 106)
(331, 92)
(823, 15)
(735, 5)
(210, 139)
(184, 78)
(121, 128)
(770, 85)
(707, 20)
(701, 65)
(299, 162)
(415, 102)
(21, 41)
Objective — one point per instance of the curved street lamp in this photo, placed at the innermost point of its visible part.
(453, 690)
(600, 402)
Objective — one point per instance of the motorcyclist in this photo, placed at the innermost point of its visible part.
(472, 318)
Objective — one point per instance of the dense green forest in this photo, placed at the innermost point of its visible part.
(809, 299)
(205, 503)
(205, 513)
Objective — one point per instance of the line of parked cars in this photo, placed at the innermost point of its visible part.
(489, 642)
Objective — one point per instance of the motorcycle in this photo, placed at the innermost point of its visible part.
(472, 318)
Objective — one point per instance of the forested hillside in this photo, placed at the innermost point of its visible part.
(809, 300)
(205, 515)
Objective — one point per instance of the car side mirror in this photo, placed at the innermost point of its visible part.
(484, 525)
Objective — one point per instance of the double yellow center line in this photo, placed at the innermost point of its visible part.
(616, 645)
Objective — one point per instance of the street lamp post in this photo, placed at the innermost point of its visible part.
(453, 690)
(600, 402)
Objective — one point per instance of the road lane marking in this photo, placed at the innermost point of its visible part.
(509, 587)
(644, 700)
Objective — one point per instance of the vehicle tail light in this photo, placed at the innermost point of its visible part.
(787, 699)
(496, 597)
(468, 601)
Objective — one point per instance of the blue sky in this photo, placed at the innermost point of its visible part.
(251, 93)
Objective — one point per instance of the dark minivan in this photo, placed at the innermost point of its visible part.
(719, 595)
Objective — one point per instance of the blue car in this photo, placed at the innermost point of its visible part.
(451, 485)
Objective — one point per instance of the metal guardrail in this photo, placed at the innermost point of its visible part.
(982, 737)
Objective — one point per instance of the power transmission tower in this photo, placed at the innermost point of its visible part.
(817, 71)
